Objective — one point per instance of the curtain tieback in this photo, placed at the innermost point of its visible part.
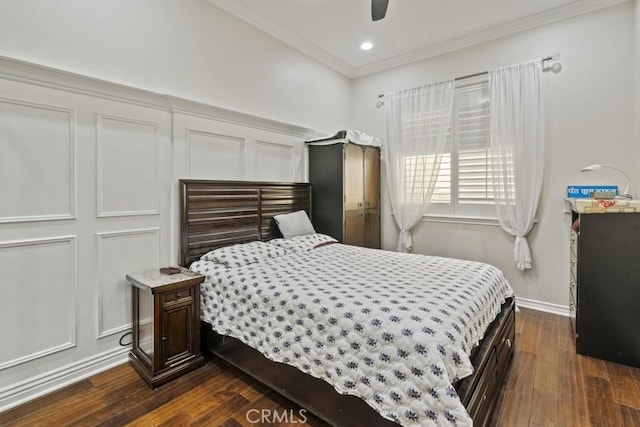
(522, 253)
(405, 244)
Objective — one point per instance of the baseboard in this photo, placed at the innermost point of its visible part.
(24, 391)
(558, 309)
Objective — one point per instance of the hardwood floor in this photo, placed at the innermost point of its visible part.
(548, 385)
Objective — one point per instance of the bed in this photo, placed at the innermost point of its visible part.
(218, 214)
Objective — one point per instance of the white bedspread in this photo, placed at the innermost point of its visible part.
(394, 329)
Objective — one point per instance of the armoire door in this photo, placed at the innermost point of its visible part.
(371, 178)
(371, 228)
(371, 171)
(353, 195)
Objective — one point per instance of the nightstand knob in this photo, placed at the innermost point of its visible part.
(508, 342)
(178, 295)
(164, 338)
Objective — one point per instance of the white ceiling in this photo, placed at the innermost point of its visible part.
(332, 30)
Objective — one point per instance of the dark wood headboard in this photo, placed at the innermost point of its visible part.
(221, 213)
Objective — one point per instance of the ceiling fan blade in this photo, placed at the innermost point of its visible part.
(378, 9)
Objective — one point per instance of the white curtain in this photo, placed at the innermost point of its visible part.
(418, 121)
(517, 150)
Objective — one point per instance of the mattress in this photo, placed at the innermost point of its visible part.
(394, 329)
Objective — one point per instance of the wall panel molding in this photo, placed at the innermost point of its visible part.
(101, 120)
(271, 167)
(72, 169)
(207, 111)
(104, 330)
(216, 137)
(70, 295)
(35, 74)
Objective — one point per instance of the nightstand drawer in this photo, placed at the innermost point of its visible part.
(178, 296)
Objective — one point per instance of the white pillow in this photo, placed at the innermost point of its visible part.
(294, 224)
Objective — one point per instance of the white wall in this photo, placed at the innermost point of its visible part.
(588, 120)
(89, 169)
(636, 96)
(185, 48)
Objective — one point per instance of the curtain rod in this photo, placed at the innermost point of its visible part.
(553, 57)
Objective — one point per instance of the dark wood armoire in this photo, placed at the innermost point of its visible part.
(345, 192)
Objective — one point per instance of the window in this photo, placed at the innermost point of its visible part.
(418, 128)
(415, 169)
(463, 187)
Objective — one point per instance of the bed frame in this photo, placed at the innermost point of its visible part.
(221, 213)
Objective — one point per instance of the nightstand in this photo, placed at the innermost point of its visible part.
(166, 325)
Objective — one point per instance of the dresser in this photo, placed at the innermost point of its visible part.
(166, 325)
(604, 284)
(345, 189)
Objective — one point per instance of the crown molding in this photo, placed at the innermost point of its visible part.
(287, 37)
(576, 8)
(530, 22)
(40, 75)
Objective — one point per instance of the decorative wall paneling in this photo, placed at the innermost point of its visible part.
(207, 148)
(37, 143)
(88, 181)
(127, 167)
(49, 293)
(277, 161)
(216, 154)
(129, 250)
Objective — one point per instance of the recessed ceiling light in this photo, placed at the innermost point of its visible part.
(366, 45)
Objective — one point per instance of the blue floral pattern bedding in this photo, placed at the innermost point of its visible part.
(394, 329)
